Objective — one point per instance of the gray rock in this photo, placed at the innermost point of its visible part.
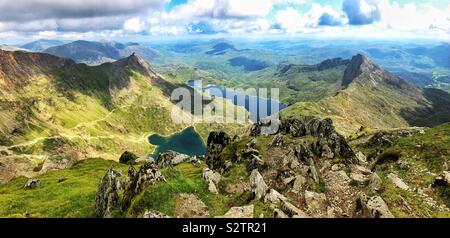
(359, 178)
(361, 158)
(317, 203)
(32, 184)
(217, 141)
(258, 186)
(137, 182)
(398, 182)
(212, 179)
(372, 207)
(107, 197)
(154, 215)
(170, 159)
(277, 141)
(240, 212)
(375, 182)
(298, 184)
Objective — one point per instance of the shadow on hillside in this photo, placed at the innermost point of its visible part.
(424, 116)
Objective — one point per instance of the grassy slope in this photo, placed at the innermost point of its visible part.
(72, 198)
(425, 155)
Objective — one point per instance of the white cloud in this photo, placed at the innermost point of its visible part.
(134, 24)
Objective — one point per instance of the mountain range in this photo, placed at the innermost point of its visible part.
(95, 53)
(355, 141)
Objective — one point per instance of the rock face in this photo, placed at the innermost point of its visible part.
(212, 179)
(217, 141)
(240, 212)
(333, 145)
(258, 186)
(32, 184)
(372, 207)
(107, 197)
(170, 159)
(148, 174)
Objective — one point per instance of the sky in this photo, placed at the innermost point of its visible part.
(22, 20)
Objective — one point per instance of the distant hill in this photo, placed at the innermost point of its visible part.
(54, 112)
(10, 48)
(41, 45)
(95, 53)
(373, 97)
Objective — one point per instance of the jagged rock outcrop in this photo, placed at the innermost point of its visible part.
(137, 182)
(372, 207)
(212, 179)
(107, 198)
(217, 141)
(333, 145)
(170, 159)
(258, 186)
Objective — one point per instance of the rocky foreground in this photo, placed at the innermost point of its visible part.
(290, 168)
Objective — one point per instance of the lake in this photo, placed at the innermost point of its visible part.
(256, 114)
(186, 142)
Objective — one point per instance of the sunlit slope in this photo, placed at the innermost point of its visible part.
(54, 110)
(372, 97)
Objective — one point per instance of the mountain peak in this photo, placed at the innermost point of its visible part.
(135, 61)
(357, 66)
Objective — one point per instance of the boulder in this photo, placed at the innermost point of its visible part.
(298, 184)
(443, 180)
(107, 197)
(212, 179)
(372, 207)
(379, 139)
(32, 184)
(274, 197)
(217, 141)
(398, 182)
(361, 158)
(170, 159)
(240, 212)
(128, 158)
(317, 203)
(375, 182)
(154, 215)
(258, 186)
(359, 178)
(256, 163)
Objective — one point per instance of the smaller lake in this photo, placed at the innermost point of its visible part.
(258, 107)
(186, 142)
